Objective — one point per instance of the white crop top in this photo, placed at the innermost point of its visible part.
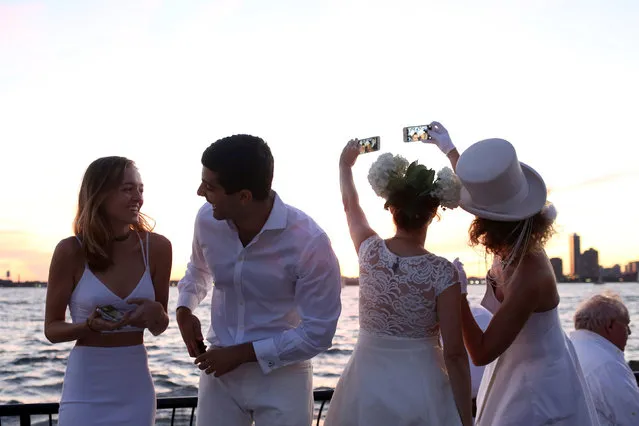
(90, 293)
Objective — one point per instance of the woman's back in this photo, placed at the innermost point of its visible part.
(398, 295)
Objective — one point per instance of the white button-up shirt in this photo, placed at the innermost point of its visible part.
(611, 382)
(281, 291)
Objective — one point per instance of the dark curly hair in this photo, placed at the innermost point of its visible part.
(411, 212)
(498, 236)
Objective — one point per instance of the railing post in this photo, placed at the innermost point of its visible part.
(25, 419)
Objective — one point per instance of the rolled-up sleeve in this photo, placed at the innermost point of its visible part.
(197, 280)
(317, 296)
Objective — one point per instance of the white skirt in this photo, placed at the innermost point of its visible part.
(107, 386)
(392, 381)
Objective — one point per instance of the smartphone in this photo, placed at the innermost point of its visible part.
(109, 313)
(417, 133)
(367, 145)
(201, 346)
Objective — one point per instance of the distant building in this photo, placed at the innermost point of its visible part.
(589, 264)
(632, 268)
(611, 274)
(558, 268)
(575, 255)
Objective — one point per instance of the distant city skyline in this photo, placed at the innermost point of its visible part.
(157, 82)
(585, 265)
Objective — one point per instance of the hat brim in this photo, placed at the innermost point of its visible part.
(528, 207)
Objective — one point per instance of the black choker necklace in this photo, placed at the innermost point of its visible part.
(122, 238)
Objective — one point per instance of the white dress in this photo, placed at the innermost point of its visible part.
(537, 380)
(396, 375)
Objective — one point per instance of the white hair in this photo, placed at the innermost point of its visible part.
(599, 310)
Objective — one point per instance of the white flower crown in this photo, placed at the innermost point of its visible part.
(389, 168)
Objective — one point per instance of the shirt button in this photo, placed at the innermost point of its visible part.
(270, 363)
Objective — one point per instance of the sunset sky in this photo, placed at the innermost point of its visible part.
(158, 81)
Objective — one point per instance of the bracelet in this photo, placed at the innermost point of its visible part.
(89, 325)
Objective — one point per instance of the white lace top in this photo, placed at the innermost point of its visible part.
(398, 295)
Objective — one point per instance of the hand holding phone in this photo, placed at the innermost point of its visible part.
(417, 133)
(367, 145)
(109, 313)
(440, 137)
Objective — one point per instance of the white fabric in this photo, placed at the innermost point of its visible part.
(90, 293)
(244, 395)
(106, 387)
(482, 318)
(281, 291)
(612, 384)
(496, 185)
(396, 375)
(537, 380)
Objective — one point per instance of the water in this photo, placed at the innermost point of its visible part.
(32, 369)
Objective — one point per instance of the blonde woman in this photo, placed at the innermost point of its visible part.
(113, 264)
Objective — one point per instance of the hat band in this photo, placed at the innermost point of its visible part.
(505, 206)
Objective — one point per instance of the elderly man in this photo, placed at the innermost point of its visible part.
(602, 326)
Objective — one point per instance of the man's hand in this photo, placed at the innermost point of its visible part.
(223, 360)
(191, 331)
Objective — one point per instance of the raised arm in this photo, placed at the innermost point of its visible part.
(440, 137)
(358, 225)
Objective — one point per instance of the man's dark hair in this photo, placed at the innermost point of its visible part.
(241, 162)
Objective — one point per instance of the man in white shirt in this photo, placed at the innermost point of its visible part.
(276, 299)
(602, 328)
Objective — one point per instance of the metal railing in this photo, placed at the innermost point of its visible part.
(24, 412)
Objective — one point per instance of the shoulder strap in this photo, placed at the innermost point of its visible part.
(147, 250)
(143, 250)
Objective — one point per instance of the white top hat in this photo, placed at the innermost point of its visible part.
(496, 185)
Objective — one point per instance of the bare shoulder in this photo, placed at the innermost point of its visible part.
(160, 245)
(534, 276)
(68, 249)
(67, 260)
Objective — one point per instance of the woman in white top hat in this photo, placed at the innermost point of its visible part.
(532, 375)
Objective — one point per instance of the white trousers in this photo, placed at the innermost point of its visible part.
(283, 397)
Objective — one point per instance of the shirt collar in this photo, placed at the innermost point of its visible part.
(276, 219)
(598, 339)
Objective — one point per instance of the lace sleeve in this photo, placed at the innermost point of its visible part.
(365, 246)
(447, 277)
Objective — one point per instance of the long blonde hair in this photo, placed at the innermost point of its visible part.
(91, 225)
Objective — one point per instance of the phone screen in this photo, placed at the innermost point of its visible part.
(416, 133)
(369, 144)
(109, 313)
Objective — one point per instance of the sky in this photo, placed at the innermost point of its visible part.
(158, 81)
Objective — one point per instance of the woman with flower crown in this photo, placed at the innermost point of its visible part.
(532, 376)
(398, 374)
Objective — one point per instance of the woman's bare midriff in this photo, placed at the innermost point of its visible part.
(110, 340)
